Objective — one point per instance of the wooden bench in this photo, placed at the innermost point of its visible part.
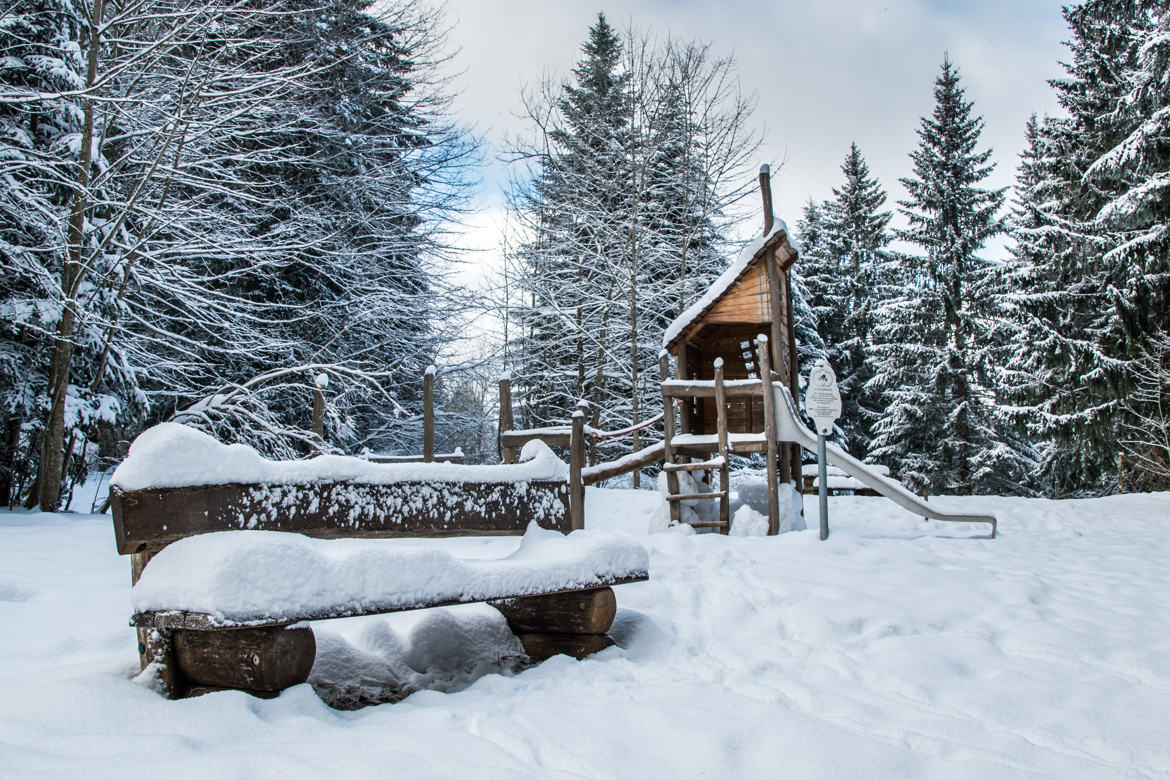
(196, 651)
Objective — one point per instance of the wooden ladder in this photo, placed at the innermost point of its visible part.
(672, 465)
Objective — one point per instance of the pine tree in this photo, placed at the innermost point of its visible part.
(1084, 306)
(938, 428)
(855, 237)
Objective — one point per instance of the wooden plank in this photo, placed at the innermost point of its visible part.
(604, 471)
(148, 520)
(746, 301)
(256, 659)
(696, 496)
(702, 465)
(706, 389)
(578, 612)
(448, 457)
(517, 439)
(199, 621)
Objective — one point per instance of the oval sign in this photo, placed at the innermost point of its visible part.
(822, 399)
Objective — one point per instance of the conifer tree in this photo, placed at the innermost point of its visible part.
(938, 428)
(855, 237)
(1086, 295)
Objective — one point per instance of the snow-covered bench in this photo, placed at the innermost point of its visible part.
(222, 590)
(838, 480)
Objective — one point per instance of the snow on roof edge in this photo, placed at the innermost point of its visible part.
(723, 283)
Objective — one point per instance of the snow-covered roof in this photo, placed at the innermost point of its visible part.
(721, 285)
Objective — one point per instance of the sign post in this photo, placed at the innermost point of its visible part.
(822, 403)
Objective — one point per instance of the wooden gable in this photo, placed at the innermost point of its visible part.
(747, 301)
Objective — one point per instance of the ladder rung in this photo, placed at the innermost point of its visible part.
(715, 463)
(693, 496)
(710, 524)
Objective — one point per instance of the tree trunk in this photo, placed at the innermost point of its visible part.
(52, 463)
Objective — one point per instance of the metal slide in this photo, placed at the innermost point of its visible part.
(790, 428)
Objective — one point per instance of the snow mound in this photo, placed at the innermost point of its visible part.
(749, 522)
(172, 455)
(248, 576)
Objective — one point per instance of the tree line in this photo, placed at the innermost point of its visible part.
(209, 208)
(1046, 372)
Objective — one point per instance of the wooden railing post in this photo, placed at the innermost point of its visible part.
(721, 426)
(507, 454)
(576, 464)
(317, 426)
(668, 434)
(429, 415)
(769, 435)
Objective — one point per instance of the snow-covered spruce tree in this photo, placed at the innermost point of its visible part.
(856, 280)
(573, 211)
(1076, 281)
(1134, 177)
(621, 220)
(939, 430)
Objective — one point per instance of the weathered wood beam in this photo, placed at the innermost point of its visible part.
(253, 659)
(148, 520)
(576, 612)
(541, 647)
(200, 621)
(738, 389)
(515, 440)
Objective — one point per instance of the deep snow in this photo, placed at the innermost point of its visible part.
(895, 649)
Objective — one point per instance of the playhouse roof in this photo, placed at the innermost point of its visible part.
(755, 251)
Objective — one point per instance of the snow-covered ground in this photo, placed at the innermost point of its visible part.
(895, 649)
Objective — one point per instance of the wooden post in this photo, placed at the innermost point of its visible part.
(668, 425)
(794, 451)
(686, 410)
(155, 646)
(429, 415)
(507, 454)
(766, 193)
(721, 423)
(319, 415)
(576, 463)
(769, 435)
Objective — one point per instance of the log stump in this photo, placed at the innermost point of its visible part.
(257, 660)
(572, 623)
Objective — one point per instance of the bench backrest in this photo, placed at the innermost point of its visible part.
(145, 521)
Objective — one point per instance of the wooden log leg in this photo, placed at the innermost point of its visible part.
(156, 647)
(572, 623)
(541, 647)
(263, 661)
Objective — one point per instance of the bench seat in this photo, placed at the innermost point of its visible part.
(235, 579)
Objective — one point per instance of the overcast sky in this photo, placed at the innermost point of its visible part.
(826, 72)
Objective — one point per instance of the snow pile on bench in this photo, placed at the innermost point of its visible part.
(172, 455)
(241, 577)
